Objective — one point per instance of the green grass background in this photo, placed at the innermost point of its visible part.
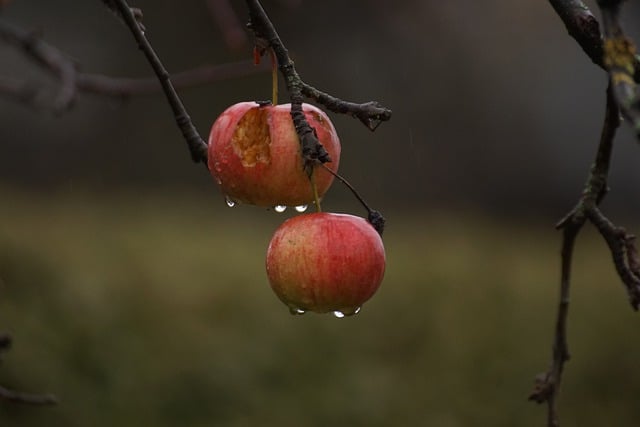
(156, 311)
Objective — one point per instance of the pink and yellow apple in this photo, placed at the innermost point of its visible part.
(325, 262)
(254, 154)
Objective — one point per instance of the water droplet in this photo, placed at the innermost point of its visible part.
(301, 208)
(338, 314)
(357, 310)
(230, 202)
(296, 311)
(279, 208)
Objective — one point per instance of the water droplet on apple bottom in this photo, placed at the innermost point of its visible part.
(296, 311)
(301, 208)
(279, 208)
(341, 314)
(229, 201)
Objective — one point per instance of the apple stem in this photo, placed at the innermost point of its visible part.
(274, 77)
(375, 218)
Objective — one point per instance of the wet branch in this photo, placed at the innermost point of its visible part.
(369, 113)
(196, 144)
(585, 29)
(621, 245)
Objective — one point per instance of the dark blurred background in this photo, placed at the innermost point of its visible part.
(139, 298)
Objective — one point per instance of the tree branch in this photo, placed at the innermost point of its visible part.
(547, 385)
(584, 28)
(196, 144)
(370, 113)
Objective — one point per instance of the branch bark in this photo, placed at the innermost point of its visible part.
(370, 113)
(621, 61)
(197, 146)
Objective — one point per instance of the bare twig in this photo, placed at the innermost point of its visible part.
(547, 384)
(197, 146)
(370, 113)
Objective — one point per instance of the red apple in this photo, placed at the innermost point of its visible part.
(325, 262)
(254, 154)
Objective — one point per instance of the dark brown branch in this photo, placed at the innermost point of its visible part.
(374, 217)
(584, 28)
(547, 384)
(623, 252)
(266, 36)
(370, 113)
(197, 146)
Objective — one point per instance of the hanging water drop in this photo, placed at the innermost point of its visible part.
(279, 208)
(301, 208)
(338, 314)
(229, 201)
(357, 310)
(296, 311)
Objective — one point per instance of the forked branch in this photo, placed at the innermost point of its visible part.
(547, 384)
(370, 113)
(616, 55)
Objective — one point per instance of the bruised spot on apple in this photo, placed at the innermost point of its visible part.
(254, 154)
(325, 262)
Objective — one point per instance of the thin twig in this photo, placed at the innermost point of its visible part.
(197, 146)
(547, 385)
(374, 217)
(370, 113)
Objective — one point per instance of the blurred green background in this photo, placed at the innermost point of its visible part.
(138, 297)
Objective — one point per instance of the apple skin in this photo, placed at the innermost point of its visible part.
(254, 154)
(325, 262)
